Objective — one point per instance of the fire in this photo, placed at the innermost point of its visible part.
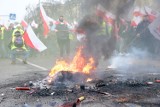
(78, 64)
(89, 80)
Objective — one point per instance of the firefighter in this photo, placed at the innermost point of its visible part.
(2, 42)
(62, 33)
(18, 47)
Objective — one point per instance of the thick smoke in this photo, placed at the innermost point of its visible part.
(101, 45)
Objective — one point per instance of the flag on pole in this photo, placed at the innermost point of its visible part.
(151, 13)
(107, 16)
(100, 11)
(51, 20)
(32, 40)
(45, 21)
(34, 24)
(24, 24)
(154, 28)
(137, 16)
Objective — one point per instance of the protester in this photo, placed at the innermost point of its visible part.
(18, 47)
(2, 42)
(145, 38)
(8, 37)
(62, 33)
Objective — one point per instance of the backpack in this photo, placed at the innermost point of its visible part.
(18, 42)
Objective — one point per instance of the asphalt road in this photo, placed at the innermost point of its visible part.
(37, 69)
(18, 74)
(15, 75)
(10, 72)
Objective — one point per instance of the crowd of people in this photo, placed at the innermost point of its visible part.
(138, 37)
(12, 43)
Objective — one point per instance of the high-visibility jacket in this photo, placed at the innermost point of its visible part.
(71, 36)
(102, 29)
(2, 33)
(15, 30)
(109, 29)
(13, 45)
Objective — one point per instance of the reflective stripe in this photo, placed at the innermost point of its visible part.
(14, 47)
(2, 33)
(103, 29)
(20, 30)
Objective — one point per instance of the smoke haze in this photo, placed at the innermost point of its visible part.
(101, 45)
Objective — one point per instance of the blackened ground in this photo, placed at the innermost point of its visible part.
(123, 92)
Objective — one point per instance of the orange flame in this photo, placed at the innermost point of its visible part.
(78, 64)
(89, 80)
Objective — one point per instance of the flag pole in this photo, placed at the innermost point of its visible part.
(39, 4)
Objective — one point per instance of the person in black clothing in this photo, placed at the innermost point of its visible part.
(145, 39)
(62, 33)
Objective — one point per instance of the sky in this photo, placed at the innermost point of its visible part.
(17, 7)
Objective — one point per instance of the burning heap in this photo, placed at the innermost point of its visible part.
(79, 64)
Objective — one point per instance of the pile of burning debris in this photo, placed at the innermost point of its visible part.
(65, 82)
(120, 88)
(79, 76)
(114, 87)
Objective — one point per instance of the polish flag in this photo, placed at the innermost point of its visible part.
(137, 16)
(24, 24)
(100, 11)
(107, 16)
(45, 21)
(51, 20)
(34, 24)
(151, 13)
(32, 40)
(136, 20)
(138, 11)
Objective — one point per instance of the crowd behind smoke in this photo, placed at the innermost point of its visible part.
(138, 60)
(101, 45)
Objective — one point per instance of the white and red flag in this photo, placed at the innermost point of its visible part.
(45, 21)
(107, 16)
(32, 40)
(151, 13)
(34, 24)
(138, 14)
(24, 24)
(136, 20)
(154, 28)
(51, 20)
(100, 11)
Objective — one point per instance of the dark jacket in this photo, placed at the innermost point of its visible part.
(63, 31)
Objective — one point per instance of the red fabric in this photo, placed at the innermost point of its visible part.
(24, 23)
(45, 26)
(27, 40)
